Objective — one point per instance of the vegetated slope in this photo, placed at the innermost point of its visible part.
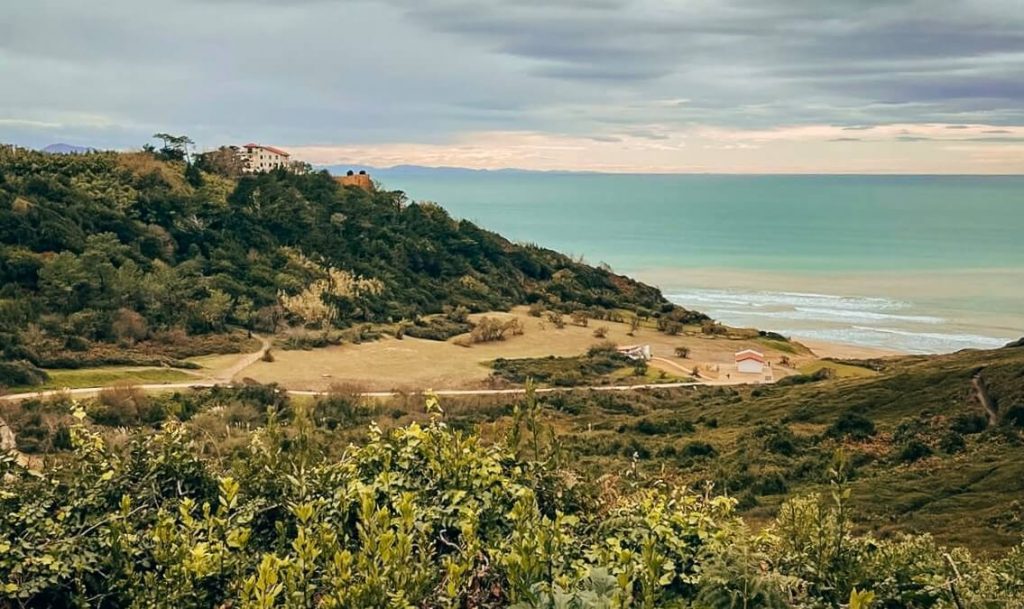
(106, 247)
(924, 456)
(279, 513)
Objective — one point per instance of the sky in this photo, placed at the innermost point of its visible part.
(733, 86)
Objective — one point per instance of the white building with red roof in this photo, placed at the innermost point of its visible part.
(749, 361)
(259, 158)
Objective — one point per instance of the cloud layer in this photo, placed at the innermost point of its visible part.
(623, 85)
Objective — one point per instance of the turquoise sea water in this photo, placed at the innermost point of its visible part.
(915, 263)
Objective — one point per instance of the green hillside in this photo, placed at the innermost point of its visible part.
(152, 255)
(924, 455)
(255, 503)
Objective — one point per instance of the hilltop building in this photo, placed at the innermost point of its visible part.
(257, 158)
(361, 179)
(749, 361)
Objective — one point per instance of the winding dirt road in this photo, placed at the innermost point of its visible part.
(88, 391)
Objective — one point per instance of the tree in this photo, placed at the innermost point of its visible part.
(683, 352)
(245, 313)
(212, 311)
(224, 161)
(176, 147)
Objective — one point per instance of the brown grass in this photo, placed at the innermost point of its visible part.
(414, 364)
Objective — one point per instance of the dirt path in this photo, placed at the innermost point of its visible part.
(986, 401)
(88, 391)
(672, 364)
(228, 374)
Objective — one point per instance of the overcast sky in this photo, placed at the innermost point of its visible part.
(613, 85)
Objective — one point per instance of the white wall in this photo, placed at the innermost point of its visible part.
(265, 160)
(750, 366)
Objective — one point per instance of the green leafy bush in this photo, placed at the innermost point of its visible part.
(13, 374)
(423, 516)
(852, 425)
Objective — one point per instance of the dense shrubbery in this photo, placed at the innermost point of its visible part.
(121, 249)
(436, 328)
(428, 517)
(561, 371)
(822, 374)
(13, 374)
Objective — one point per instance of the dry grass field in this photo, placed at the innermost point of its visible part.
(413, 364)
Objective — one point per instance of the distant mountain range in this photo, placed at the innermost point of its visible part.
(67, 149)
(418, 170)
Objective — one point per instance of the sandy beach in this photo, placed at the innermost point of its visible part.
(835, 350)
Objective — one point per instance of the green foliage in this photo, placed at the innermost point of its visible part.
(852, 425)
(424, 516)
(822, 374)
(109, 247)
(561, 371)
(437, 328)
(14, 374)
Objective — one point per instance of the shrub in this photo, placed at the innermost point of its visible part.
(772, 483)
(697, 449)
(601, 332)
(650, 427)
(801, 379)
(267, 356)
(490, 329)
(129, 326)
(1014, 416)
(457, 315)
(556, 319)
(952, 442)
(914, 450)
(342, 406)
(124, 406)
(603, 348)
(13, 374)
(669, 326)
(536, 309)
(967, 424)
(851, 425)
(711, 328)
(580, 318)
(683, 352)
(437, 328)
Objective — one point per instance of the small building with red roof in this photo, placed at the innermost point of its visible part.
(749, 361)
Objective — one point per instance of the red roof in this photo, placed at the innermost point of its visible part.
(749, 354)
(267, 148)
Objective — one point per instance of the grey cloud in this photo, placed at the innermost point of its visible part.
(369, 71)
(1008, 140)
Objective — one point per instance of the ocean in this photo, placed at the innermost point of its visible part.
(921, 264)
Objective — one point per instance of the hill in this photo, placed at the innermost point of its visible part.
(925, 456)
(67, 149)
(134, 257)
(256, 501)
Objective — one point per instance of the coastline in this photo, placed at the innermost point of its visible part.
(830, 349)
(885, 313)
